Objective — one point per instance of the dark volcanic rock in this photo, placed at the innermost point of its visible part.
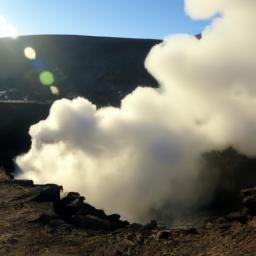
(249, 200)
(73, 209)
(4, 175)
(70, 208)
(48, 193)
(151, 225)
(226, 172)
(237, 216)
(163, 234)
(91, 222)
(16, 119)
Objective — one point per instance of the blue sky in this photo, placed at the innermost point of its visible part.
(117, 18)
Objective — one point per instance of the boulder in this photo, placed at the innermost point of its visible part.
(114, 217)
(151, 225)
(81, 214)
(249, 200)
(48, 193)
(237, 217)
(4, 175)
(163, 234)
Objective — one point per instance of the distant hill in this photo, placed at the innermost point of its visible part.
(102, 69)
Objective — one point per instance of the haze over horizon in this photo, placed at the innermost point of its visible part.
(128, 19)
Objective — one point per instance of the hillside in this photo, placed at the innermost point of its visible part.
(102, 69)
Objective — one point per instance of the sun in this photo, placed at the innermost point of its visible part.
(10, 31)
(7, 29)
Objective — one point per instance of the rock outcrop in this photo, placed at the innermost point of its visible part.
(249, 200)
(75, 211)
(70, 208)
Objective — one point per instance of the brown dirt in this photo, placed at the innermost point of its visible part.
(29, 225)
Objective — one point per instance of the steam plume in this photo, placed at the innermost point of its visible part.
(136, 158)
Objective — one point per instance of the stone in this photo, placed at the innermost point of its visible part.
(237, 217)
(163, 234)
(249, 200)
(151, 225)
(48, 193)
(4, 175)
(114, 217)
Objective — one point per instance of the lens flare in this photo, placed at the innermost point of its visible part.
(46, 78)
(30, 53)
(55, 90)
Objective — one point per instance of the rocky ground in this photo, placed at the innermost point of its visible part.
(34, 220)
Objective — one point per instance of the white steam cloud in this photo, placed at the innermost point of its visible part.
(135, 158)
